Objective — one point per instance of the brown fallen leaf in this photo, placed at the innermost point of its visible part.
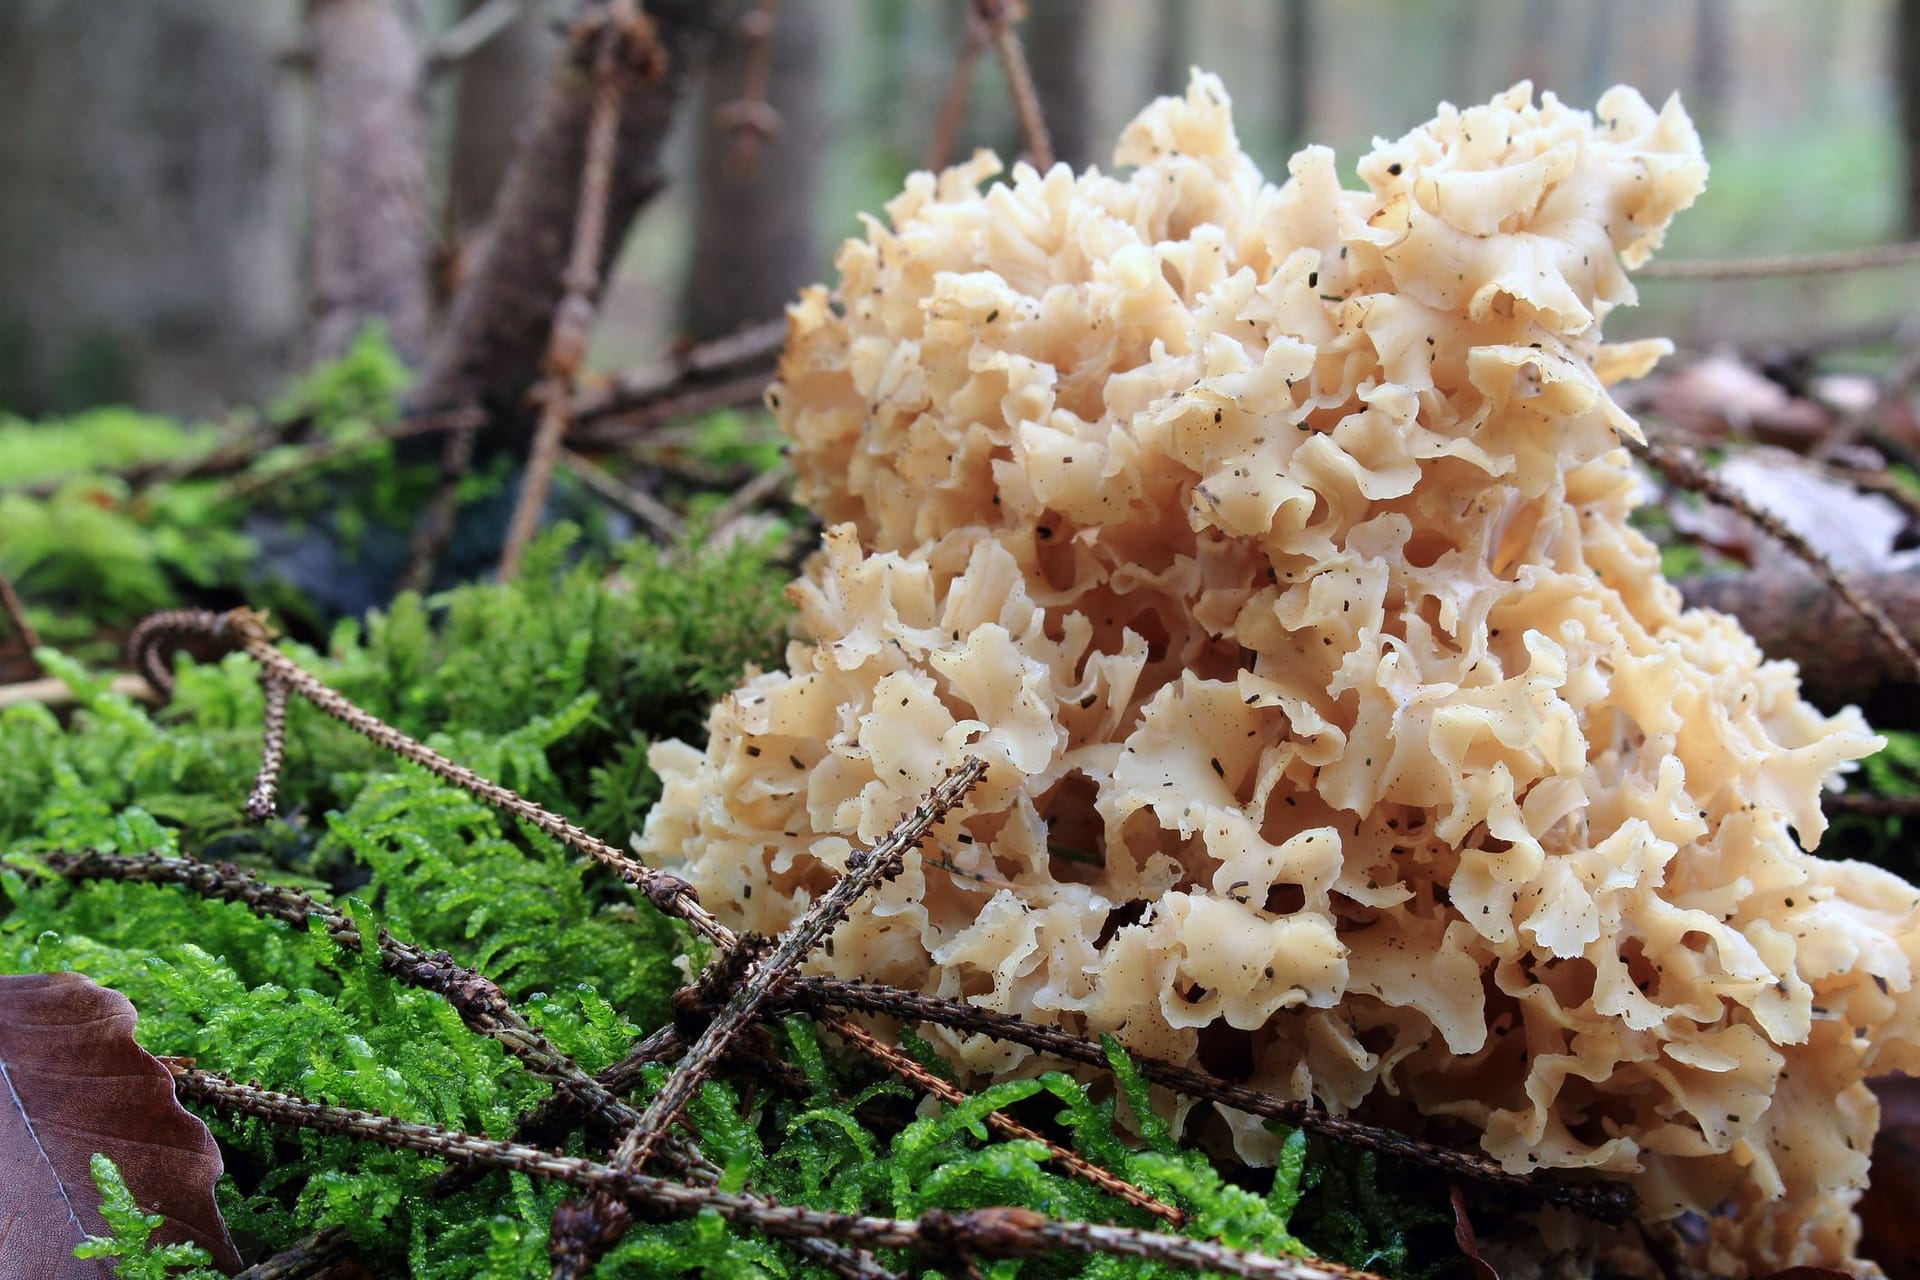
(72, 1083)
(1468, 1242)
(1890, 1211)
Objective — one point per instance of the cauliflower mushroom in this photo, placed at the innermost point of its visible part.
(1270, 543)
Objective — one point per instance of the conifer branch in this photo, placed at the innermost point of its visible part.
(1683, 469)
(264, 800)
(247, 631)
(588, 1231)
(938, 1234)
(899, 1064)
(1608, 1201)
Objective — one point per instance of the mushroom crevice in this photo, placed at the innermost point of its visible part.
(1270, 543)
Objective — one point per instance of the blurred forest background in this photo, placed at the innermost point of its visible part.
(157, 156)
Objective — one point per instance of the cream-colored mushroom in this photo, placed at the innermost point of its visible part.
(1271, 546)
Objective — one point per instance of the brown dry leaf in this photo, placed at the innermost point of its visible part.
(72, 1083)
(1468, 1242)
(1890, 1211)
(1721, 398)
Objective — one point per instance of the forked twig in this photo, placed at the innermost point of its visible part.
(641, 505)
(575, 1252)
(994, 1233)
(1683, 468)
(751, 118)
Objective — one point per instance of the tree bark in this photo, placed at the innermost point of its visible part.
(497, 94)
(145, 186)
(489, 354)
(1296, 60)
(754, 204)
(371, 236)
(1906, 44)
(1793, 615)
(1057, 34)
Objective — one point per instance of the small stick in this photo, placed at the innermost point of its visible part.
(435, 528)
(307, 1257)
(264, 800)
(998, 16)
(994, 1232)
(1682, 467)
(641, 505)
(751, 118)
(747, 350)
(470, 34)
(1868, 805)
(953, 107)
(1785, 264)
(17, 617)
(907, 1069)
(746, 498)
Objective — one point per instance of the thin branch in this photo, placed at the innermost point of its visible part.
(641, 505)
(994, 1233)
(17, 616)
(906, 1068)
(1609, 1202)
(264, 800)
(744, 499)
(999, 17)
(624, 46)
(434, 530)
(1682, 467)
(640, 416)
(54, 692)
(1868, 805)
(305, 1259)
(1870, 258)
(953, 104)
(246, 631)
(750, 118)
(470, 34)
(582, 1233)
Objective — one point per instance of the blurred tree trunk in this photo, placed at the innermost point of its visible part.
(1712, 66)
(498, 93)
(1172, 49)
(755, 198)
(1057, 34)
(1906, 45)
(371, 236)
(1296, 62)
(145, 192)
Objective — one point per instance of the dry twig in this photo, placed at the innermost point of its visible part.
(17, 615)
(309, 1256)
(638, 503)
(999, 17)
(624, 45)
(470, 34)
(953, 105)
(1870, 258)
(1682, 468)
(750, 118)
(264, 800)
(598, 1226)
